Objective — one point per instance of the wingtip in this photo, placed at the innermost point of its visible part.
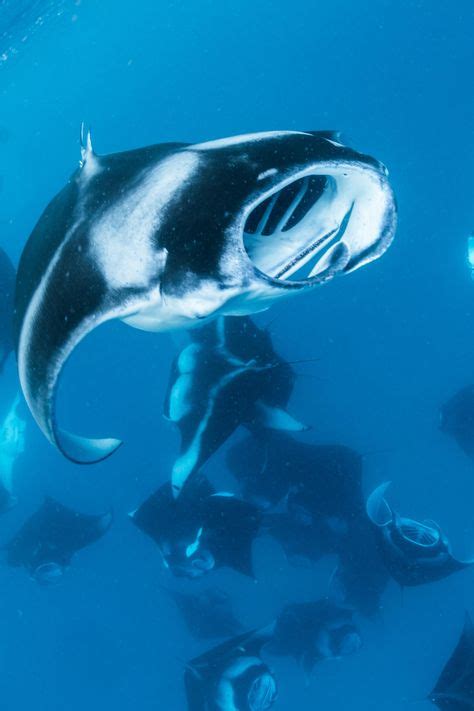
(84, 450)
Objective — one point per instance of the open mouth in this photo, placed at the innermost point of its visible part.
(420, 534)
(320, 223)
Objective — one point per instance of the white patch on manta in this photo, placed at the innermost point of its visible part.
(267, 173)
(180, 403)
(244, 138)
(121, 241)
(192, 548)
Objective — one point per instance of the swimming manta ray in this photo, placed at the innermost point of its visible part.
(227, 376)
(48, 540)
(454, 690)
(200, 530)
(457, 419)
(168, 235)
(231, 677)
(314, 631)
(413, 552)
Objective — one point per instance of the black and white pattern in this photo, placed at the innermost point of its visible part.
(231, 677)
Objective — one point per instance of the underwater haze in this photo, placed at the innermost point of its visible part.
(376, 353)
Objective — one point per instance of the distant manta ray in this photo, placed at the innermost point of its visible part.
(229, 375)
(168, 235)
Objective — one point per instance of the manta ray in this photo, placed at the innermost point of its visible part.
(171, 235)
(414, 552)
(229, 375)
(231, 677)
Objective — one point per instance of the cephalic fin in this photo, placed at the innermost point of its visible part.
(88, 157)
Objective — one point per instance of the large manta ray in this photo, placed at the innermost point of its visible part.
(454, 690)
(168, 235)
(229, 375)
(314, 631)
(48, 540)
(200, 530)
(457, 419)
(413, 552)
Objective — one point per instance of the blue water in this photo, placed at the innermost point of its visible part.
(393, 340)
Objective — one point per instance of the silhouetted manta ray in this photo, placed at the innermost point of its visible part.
(229, 375)
(231, 677)
(164, 236)
(200, 530)
(47, 541)
(454, 690)
(413, 552)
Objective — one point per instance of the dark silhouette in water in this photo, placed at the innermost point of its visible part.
(201, 530)
(48, 540)
(413, 552)
(454, 690)
(457, 419)
(231, 676)
(314, 631)
(207, 614)
(7, 290)
(229, 375)
(324, 479)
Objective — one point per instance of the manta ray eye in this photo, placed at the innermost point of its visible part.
(294, 234)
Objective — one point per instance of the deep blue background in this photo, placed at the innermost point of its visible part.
(393, 340)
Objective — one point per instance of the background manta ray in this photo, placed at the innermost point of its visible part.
(48, 540)
(414, 553)
(229, 375)
(231, 677)
(200, 530)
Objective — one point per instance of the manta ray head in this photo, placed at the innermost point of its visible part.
(168, 235)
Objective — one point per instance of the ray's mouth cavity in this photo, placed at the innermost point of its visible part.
(318, 224)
